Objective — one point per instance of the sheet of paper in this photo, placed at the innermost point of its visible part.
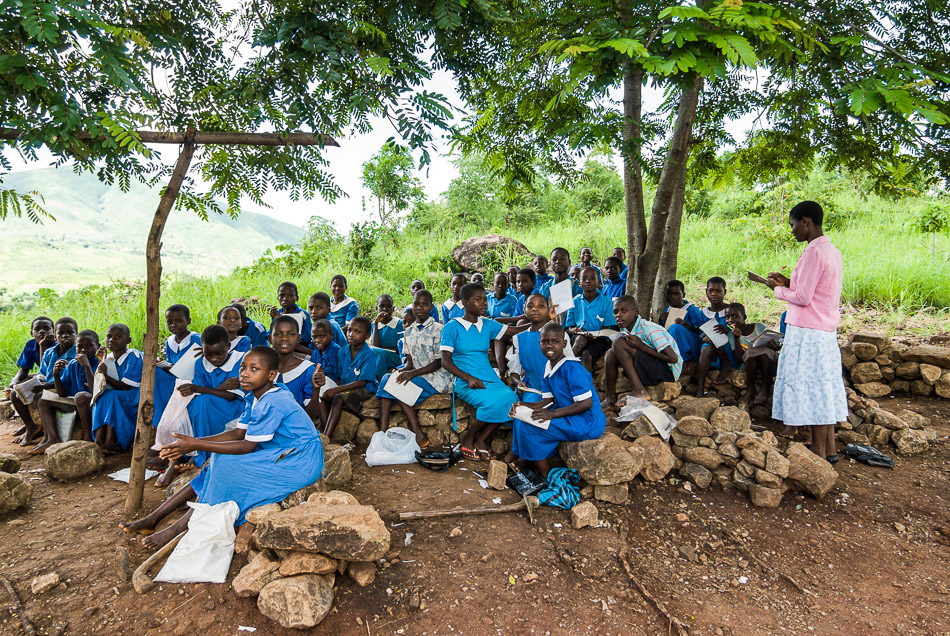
(24, 390)
(755, 278)
(123, 475)
(660, 420)
(298, 316)
(524, 413)
(562, 296)
(675, 314)
(329, 385)
(406, 393)
(605, 333)
(184, 369)
(99, 380)
(53, 396)
(718, 339)
(766, 337)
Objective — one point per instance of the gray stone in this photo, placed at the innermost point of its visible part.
(658, 460)
(865, 372)
(692, 425)
(908, 370)
(913, 419)
(583, 515)
(9, 463)
(477, 253)
(332, 498)
(729, 450)
(705, 457)
(604, 461)
(259, 571)
(929, 373)
(616, 494)
(44, 582)
(699, 407)
(873, 389)
(888, 420)
(682, 439)
(864, 351)
(306, 563)
(638, 428)
(362, 573)
(298, 602)
(342, 531)
(497, 474)
(73, 460)
(767, 479)
(258, 514)
(879, 340)
(365, 431)
(765, 497)
(697, 474)
(730, 419)
(299, 496)
(919, 387)
(777, 464)
(346, 428)
(852, 437)
(942, 386)
(741, 481)
(909, 441)
(337, 470)
(809, 472)
(664, 391)
(930, 354)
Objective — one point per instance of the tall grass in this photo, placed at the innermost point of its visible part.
(896, 272)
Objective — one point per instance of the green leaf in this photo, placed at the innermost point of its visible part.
(684, 13)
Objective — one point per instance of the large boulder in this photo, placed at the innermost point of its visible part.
(910, 441)
(603, 462)
(658, 460)
(350, 532)
(337, 469)
(73, 460)
(937, 356)
(809, 472)
(298, 602)
(479, 252)
(9, 463)
(346, 428)
(15, 492)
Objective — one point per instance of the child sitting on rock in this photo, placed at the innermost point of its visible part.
(540, 266)
(255, 331)
(710, 356)
(592, 312)
(387, 332)
(273, 452)
(42, 338)
(326, 352)
(452, 308)
(685, 331)
(756, 349)
(319, 309)
(178, 343)
(524, 364)
(357, 376)
(295, 370)
(568, 405)
(115, 410)
(73, 380)
(615, 285)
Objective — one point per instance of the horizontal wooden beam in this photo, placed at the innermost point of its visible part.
(213, 138)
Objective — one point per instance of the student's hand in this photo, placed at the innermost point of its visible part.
(719, 328)
(382, 318)
(82, 360)
(183, 446)
(186, 389)
(541, 414)
(37, 389)
(679, 321)
(405, 376)
(101, 368)
(230, 384)
(102, 353)
(274, 312)
(329, 393)
(633, 341)
(775, 279)
(706, 340)
(475, 383)
(60, 365)
(774, 345)
(319, 378)
(49, 340)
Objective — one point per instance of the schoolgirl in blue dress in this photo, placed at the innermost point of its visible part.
(685, 331)
(560, 265)
(343, 309)
(326, 352)
(421, 347)
(592, 312)
(409, 316)
(255, 331)
(357, 375)
(501, 304)
(465, 343)
(540, 266)
(181, 340)
(115, 410)
(295, 371)
(525, 360)
(287, 297)
(42, 339)
(319, 309)
(452, 308)
(274, 451)
(387, 332)
(712, 357)
(569, 404)
(525, 283)
(72, 380)
(230, 319)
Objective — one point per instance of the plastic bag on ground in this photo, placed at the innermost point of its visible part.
(204, 554)
(394, 446)
(633, 407)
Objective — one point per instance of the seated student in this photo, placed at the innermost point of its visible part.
(621, 253)
(478, 278)
(540, 266)
(525, 362)
(177, 319)
(255, 331)
(615, 285)
(568, 402)
(592, 312)
(72, 380)
(560, 265)
(42, 338)
(273, 452)
(711, 357)
(385, 337)
(501, 304)
(295, 370)
(423, 367)
(287, 297)
(645, 351)
(230, 319)
(343, 309)
(755, 351)
(587, 260)
(512, 278)
(407, 314)
(357, 375)
(465, 343)
(525, 284)
(319, 309)
(326, 352)
(686, 331)
(115, 410)
(452, 308)
(65, 349)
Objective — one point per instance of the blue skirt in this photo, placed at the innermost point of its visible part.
(427, 389)
(492, 404)
(164, 387)
(117, 408)
(385, 361)
(688, 342)
(258, 477)
(209, 414)
(533, 444)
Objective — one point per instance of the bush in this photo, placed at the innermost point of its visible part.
(933, 217)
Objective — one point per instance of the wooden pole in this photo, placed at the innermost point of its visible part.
(206, 138)
(153, 293)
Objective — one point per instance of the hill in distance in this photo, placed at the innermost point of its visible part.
(99, 235)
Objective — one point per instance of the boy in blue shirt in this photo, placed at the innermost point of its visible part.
(540, 267)
(592, 312)
(501, 304)
(73, 384)
(326, 352)
(42, 339)
(357, 376)
(560, 265)
(615, 285)
(621, 254)
(686, 330)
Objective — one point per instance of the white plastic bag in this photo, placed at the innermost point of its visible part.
(204, 554)
(175, 419)
(394, 446)
(633, 407)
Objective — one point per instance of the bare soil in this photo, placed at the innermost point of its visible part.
(871, 558)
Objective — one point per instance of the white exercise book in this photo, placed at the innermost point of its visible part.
(675, 314)
(605, 333)
(718, 339)
(24, 390)
(562, 296)
(406, 393)
(330, 384)
(524, 414)
(184, 369)
(53, 396)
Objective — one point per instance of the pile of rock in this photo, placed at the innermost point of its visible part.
(868, 423)
(877, 367)
(15, 491)
(296, 554)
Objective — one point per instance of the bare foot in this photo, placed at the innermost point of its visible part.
(608, 404)
(142, 526)
(30, 436)
(762, 396)
(748, 397)
(167, 477)
(20, 430)
(724, 375)
(788, 432)
(643, 395)
(39, 450)
(160, 538)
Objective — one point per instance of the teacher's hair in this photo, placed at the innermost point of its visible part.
(807, 210)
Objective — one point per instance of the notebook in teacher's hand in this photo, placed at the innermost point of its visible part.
(755, 278)
(674, 314)
(718, 339)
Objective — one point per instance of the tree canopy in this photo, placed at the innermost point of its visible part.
(388, 175)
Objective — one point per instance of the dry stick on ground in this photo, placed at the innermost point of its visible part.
(681, 627)
(765, 566)
(21, 613)
(428, 514)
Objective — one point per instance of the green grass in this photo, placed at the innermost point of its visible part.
(894, 279)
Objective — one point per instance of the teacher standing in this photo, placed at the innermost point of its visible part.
(809, 389)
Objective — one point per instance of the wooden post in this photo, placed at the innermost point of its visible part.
(153, 294)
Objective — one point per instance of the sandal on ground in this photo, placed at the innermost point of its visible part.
(468, 453)
(486, 455)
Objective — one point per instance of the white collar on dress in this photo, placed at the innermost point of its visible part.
(294, 373)
(466, 324)
(176, 346)
(235, 342)
(548, 371)
(128, 352)
(714, 314)
(256, 399)
(340, 305)
(393, 323)
(233, 359)
(449, 304)
(428, 322)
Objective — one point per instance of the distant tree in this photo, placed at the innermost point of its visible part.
(389, 176)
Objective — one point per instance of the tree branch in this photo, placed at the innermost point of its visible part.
(204, 138)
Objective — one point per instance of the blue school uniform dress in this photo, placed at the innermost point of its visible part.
(358, 366)
(73, 377)
(423, 344)
(567, 382)
(164, 380)
(591, 315)
(344, 311)
(469, 342)
(689, 343)
(241, 344)
(506, 307)
(614, 288)
(720, 317)
(623, 271)
(329, 359)
(305, 328)
(288, 456)
(299, 381)
(209, 413)
(29, 356)
(256, 332)
(119, 408)
(387, 353)
(528, 362)
(451, 310)
(50, 357)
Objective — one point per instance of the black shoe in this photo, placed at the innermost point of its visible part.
(832, 459)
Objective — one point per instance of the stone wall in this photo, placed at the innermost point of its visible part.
(878, 366)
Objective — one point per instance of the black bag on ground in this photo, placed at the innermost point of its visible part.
(526, 482)
(438, 460)
(868, 455)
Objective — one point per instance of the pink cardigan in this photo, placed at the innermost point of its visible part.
(814, 292)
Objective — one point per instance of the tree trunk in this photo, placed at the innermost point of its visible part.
(153, 292)
(671, 243)
(676, 157)
(633, 173)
